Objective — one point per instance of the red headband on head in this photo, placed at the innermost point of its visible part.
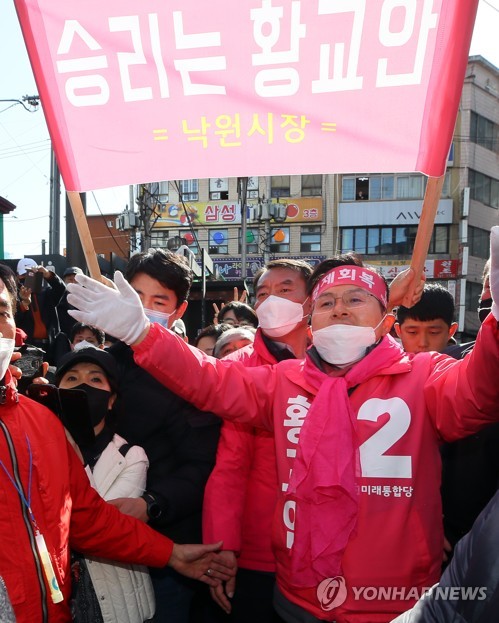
(355, 276)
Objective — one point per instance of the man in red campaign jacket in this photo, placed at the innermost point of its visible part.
(241, 493)
(357, 428)
(47, 504)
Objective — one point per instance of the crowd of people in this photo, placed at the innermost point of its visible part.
(300, 438)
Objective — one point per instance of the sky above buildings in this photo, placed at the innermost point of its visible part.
(25, 143)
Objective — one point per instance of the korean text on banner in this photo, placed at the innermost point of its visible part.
(136, 92)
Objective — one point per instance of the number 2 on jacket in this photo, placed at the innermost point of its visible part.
(373, 461)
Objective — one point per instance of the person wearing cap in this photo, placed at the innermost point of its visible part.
(49, 506)
(37, 311)
(115, 469)
(357, 428)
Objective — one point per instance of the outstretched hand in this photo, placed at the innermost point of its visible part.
(202, 562)
(401, 287)
(117, 311)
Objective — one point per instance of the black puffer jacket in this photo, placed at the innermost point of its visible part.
(180, 442)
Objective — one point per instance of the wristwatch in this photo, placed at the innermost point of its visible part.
(153, 508)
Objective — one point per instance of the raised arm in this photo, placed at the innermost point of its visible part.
(463, 396)
(228, 389)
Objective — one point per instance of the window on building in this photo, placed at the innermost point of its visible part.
(362, 188)
(310, 239)
(160, 191)
(219, 188)
(218, 242)
(279, 240)
(173, 239)
(484, 132)
(348, 189)
(479, 242)
(189, 190)
(159, 238)
(446, 185)
(252, 240)
(252, 190)
(383, 187)
(484, 188)
(311, 185)
(473, 291)
(410, 187)
(391, 240)
(440, 240)
(280, 186)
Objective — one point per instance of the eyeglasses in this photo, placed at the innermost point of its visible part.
(351, 299)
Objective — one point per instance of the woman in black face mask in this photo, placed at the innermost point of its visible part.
(115, 470)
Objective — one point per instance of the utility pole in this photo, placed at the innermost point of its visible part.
(147, 204)
(242, 192)
(55, 206)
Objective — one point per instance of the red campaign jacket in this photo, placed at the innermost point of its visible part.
(241, 493)
(404, 412)
(68, 511)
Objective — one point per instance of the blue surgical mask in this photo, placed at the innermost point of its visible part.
(161, 318)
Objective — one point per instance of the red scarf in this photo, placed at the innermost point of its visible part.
(323, 479)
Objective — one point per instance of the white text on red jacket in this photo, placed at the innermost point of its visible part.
(295, 416)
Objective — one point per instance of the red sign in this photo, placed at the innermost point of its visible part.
(138, 92)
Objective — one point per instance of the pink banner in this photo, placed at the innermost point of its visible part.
(139, 92)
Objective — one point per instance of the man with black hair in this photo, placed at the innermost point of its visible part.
(179, 440)
(237, 314)
(85, 333)
(428, 325)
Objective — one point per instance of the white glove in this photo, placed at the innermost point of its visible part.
(117, 311)
(494, 270)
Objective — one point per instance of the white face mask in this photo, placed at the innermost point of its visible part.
(161, 318)
(83, 344)
(278, 316)
(342, 344)
(6, 350)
